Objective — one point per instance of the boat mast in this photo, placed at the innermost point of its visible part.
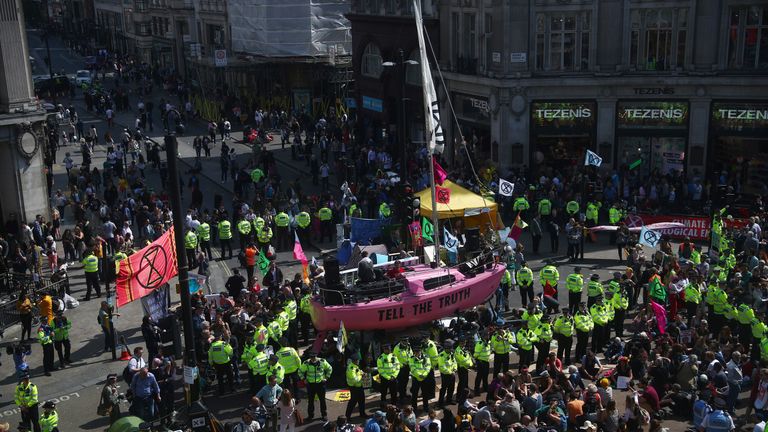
(434, 132)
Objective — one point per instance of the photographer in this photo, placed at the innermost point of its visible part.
(109, 405)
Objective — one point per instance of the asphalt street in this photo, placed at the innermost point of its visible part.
(77, 387)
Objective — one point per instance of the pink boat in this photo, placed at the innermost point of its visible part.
(422, 295)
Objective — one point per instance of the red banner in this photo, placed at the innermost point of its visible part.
(696, 227)
(442, 195)
(147, 269)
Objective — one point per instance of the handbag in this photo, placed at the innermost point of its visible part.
(104, 410)
(298, 416)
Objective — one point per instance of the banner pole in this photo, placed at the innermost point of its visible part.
(190, 359)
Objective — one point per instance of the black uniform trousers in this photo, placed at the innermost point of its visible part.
(500, 363)
(224, 372)
(574, 298)
(582, 339)
(316, 389)
(48, 357)
(356, 397)
(482, 376)
(598, 338)
(564, 344)
(618, 322)
(92, 282)
(226, 244)
(543, 352)
(205, 246)
(402, 380)
(63, 348)
(447, 387)
(526, 294)
(388, 386)
(526, 357)
(427, 387)
(463, 374)
(31, 417)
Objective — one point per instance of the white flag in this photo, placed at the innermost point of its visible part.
(592, 159)
(649, 237)
(435, 137)
(506, 188)
(450, 241)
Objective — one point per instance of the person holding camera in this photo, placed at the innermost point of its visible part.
(109, 404)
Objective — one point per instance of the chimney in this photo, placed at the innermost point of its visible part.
(16, 90)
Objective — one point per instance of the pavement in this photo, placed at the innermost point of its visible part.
(77, 388)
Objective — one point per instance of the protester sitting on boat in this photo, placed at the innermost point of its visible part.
(365, 269)
(396, 271)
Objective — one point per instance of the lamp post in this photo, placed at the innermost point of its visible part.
(181, 256)
(402, 63)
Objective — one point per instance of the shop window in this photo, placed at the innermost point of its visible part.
(371, 63)
(563, 41)
(748, 38)
(606, 152)
(516, 151)
(455, 41)
(658, 38)
(697, 156)
(654, 154)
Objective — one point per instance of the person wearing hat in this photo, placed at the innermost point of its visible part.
(315, 372)
(25, 398)
(563, 332)
(275, 369)
(403, 353)
(575, 285)
(289, 359)
(258, 362)
(594, 290)
(589, 426)
(526, 339)
(109, 404)
(482, 356)
(377, 423)
(91, 267)
(220, 356)
(544, 335)
(602, 314)
(49, 420)
(388, 367)
(718, 420)
(501, 344)
(421, 369)
(692, 294)
(45, 338)
(584, 325)
(619, 305)
(447, 364)
(524, 279)
(354, 375)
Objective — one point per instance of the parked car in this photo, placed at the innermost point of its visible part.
(82, 77)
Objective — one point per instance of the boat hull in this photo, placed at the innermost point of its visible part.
(409, 309)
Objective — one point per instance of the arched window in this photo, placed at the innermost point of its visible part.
(413, 71)
(371, 62)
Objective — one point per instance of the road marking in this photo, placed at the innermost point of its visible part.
(56, 400)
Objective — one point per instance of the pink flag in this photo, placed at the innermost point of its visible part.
(440, 174)
(298, 252)
(661, 316)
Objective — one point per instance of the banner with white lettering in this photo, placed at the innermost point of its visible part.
(696, 227)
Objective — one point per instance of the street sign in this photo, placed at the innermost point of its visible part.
(220, 58)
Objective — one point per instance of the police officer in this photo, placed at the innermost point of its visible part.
(619, 304)
(220, 356)
(45, 338)
(282, 231)
(502, 294)
(384, 212)
(225, 236)
(61, 328)
(446, 362)
(388, 367)
(592, 213)
(501, 345)
(584, 325)
(315, 372)
(482, 355)
(544, 335)
(745, 315)
(291, 362)
(421, 369)
(549, 275)
(594, 289)
(275, 369)
(303, 315)
(524, 279)
(355, 383)
(545, 210)
(258, 363)
(575, 285)
(203, 232)
(190, 247)
(403, 352)
(49, 419)
(464, 362)
(526, 338)
(244, 230)
(718, 420)
(303, 221)
(91, 267)
(265, 238)
(25, 397)
(614, 217)
(572, 208)
(521, 205)
(600, 317)
(692, 300)
(563, 330)
(325, 214)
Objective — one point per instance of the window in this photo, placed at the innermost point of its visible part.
(371, 61)
(470, 36)
(658, 38)
(413, 71)
(215, 35)
(455, 41)
(488, 30)
(748, 38)
(563, 41)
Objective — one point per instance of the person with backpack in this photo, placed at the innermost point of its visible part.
(134, 365)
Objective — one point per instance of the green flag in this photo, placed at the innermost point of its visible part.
(256, 175)
(427, 229)
(263, 262)
(657, 290)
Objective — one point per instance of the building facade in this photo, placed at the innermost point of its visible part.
(386, 70)
(653, 85)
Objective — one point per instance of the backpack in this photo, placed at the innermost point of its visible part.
(127, 374)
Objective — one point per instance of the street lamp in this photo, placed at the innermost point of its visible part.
(402, 120)
(181, 256)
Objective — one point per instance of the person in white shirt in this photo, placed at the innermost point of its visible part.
(136, 362)
(432, 419)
